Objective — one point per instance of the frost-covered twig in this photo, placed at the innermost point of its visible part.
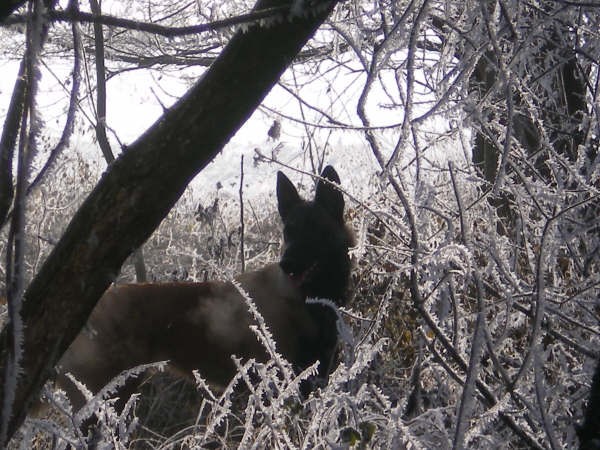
(29, 129)
(69, 126)
(95, 402)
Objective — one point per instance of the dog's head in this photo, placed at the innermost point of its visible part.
(316, 239)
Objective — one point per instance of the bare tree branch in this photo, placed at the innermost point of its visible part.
(8, 141)
(69, 15)
(15, 254)
(73, 103)
(100, 125)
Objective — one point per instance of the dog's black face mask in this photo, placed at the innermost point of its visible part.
(316, 239)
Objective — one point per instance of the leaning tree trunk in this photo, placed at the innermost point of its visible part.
(141, 186)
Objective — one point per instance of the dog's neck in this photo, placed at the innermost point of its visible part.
(329, 276)
(329, 280)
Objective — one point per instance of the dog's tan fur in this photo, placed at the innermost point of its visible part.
(193, 325)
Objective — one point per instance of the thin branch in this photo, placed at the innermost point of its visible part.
(101, 87)
(242, 224)
(15, 253)
(154, 28)
(9, 139)
(410, 81)
(465, 408)
(71, 112)
(540, 392)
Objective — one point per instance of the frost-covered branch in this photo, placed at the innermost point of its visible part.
(73, 15)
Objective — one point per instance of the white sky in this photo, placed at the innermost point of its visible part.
(134, 103)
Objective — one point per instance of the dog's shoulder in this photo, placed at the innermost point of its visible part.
(271, 287)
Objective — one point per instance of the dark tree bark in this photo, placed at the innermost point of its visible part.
(138, 258)
(485, 153)
(589, 432)
(141, 186)
(8, 141)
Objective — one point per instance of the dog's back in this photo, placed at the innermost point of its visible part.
(192, 325)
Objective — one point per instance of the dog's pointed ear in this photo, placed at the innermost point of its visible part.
(287, 195)
(330, 198)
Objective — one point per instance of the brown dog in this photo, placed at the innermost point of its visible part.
(200, 325)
